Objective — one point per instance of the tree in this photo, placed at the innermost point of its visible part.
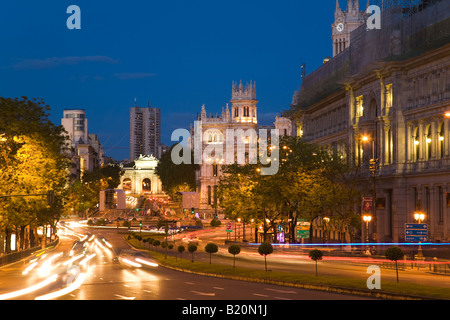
(156, 243)
(265, 249)
(176, 178)
(181, 249)
(192, 248)
(234, 249)
(164, 245)
(316, 255)
(32, 161)
(394, 254)
(211, 248)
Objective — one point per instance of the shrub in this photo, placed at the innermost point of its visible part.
(192, 248)
(211, 248)
(265, 249)
(234, 249)
(316, 255)
(394, 254)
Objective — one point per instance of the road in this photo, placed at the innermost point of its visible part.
(96, 275)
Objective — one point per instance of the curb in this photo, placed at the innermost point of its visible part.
(340, 290)
(382, 295)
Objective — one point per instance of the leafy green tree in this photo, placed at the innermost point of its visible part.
(32, 162)
(234, 249)
(394, 254)
(265, 249)
(181, 249)
(192, 248)
(211, 248)
(156, 243)
(316, 255)
(176, 178)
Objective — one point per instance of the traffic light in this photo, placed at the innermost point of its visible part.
(193, 210)
(140, 224)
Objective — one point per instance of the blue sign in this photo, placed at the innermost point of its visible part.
(416, 238)
(420, 226)
(413, 232)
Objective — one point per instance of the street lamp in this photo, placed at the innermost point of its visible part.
(326, 220)
(372, 167)
(367, 218)
(419, 216)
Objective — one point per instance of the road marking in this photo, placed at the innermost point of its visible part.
(260, 295)
(281, 291)
(282, 298)
(218, 288)
(189, 282)
(203, 293)
(125, 298)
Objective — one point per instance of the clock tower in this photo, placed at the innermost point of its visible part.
(344, 23)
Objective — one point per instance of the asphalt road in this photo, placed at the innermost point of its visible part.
(106, 279)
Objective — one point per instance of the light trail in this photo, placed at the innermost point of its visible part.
(38, 286)
(73, 286)
(357, 244)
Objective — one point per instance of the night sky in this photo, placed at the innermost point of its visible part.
(177, 55)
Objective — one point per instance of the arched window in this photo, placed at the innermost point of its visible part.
(146, 185)
(390, 146)
(213, 136)
(428, 141)
(441, 140)
(416, 143)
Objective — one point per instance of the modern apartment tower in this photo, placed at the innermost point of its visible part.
(85, 150)
(145, 132)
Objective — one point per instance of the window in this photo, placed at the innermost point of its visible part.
(246, 111)
(441, 140)
(416, 143)
(236, 112)
(390, 147)
(215, 170)
(428, 141)
(359, 106)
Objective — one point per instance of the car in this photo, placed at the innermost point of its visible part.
(78, 247)
(191, 239)
(133, 259)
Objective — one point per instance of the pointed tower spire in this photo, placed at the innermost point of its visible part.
(349, 5)
(203, 113)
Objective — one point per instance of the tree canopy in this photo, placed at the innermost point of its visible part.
(32, 162)
(311, 182)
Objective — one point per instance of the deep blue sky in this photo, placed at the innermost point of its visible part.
(176, 54)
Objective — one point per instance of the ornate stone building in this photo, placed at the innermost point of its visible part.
(386, 96)
(241, 115)
(141, 179)
(345, 22)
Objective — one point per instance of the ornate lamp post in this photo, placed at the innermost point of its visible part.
(367, 218)
(373, 163)
(419, 216)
